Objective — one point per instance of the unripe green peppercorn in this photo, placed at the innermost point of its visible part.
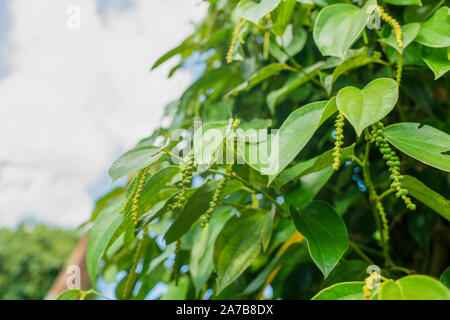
(393, 162)
(338, 143)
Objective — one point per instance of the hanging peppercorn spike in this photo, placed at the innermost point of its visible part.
(338, 143)
(186, 180)
(393, 162)
(213, 203)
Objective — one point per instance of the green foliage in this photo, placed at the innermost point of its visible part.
(72, 294)
(416, 287)
(134, 160)
(325, 233)
(100, 235)
(235, 251)
(435, 32)
(253, 11)
(31, 257)
(369, 105)
(362, 120)
(425, 144)
(338, 26)
(342, 291)
(409, 33)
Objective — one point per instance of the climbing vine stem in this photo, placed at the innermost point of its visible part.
(377, 207)
(356, 248)
(399, 69)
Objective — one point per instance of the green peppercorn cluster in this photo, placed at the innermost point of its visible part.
(142, 176)
(339, 123)
(212, 204)
(186, 180)
(393, 162)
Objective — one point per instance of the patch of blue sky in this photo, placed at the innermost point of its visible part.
(208, 294)
(158, 291)
(195, 64)
(104, 6)
(102, 185)
(108, 289)
(5, 23)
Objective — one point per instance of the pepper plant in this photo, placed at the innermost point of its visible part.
(351, 200)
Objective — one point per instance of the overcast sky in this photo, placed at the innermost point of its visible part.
(72, 100)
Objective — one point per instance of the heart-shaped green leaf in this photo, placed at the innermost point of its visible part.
(435, 32)
(134, 160)
(425, 144)
(409, 33)
(237, 245)
(325, 232)
(437, 60)
(253, 11)
(369, 105)
(342, 291)
(338, 26)
(273, 154)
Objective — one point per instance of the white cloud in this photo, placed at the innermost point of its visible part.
(75, 99)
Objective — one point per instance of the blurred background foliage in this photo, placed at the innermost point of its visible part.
(31, 256)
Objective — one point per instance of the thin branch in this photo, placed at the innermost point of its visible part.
(361, 253)
(385, 193)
